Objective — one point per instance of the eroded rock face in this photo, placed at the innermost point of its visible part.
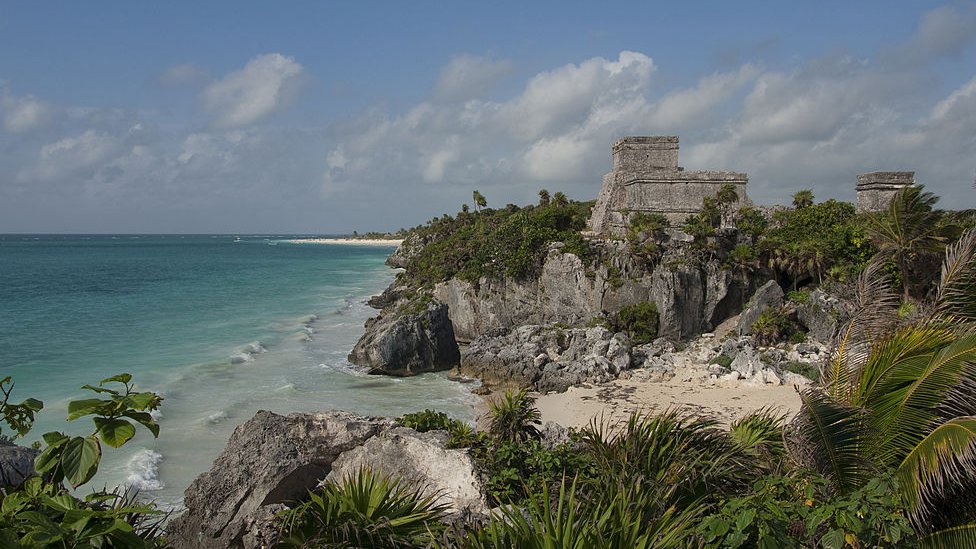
(16, 463)
(423, 460)
(547, 358)
(821, 314)
(269, 460)
(768, 295)
(405, 345)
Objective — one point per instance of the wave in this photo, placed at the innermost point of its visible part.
(246, 354)
(143, 470)
(216, 417)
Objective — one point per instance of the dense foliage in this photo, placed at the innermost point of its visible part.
(639, 321)
(511, 241)
(42, 512)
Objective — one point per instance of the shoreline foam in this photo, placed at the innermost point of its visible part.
(346, 241)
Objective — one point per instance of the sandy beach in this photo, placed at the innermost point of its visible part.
(616, 400)
(347, 241)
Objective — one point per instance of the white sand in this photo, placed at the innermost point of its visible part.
(616, 400)
(348, 241)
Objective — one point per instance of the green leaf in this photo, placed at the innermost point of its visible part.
(49, 458)
(54, 438)
(84, 407)
(33, 404)
(833, 539)
(114, 432)
(121, 378)
(140, 401)
(100, 389)
(80, 459)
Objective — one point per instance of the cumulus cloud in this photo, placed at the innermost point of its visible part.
(264, 86)
(470, 77)
(24, 114)
(943, 31)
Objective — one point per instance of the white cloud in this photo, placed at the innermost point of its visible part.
(469, 77)
(24, 114)
(683, 109)
(264, 86)
(943, 31)
(77, 156)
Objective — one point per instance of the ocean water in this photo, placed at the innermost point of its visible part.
(221, 326)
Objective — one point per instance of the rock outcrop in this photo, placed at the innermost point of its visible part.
(822, 315)
(16, 463)
(423, 460)
(408, 344)
(547, 357)
(768, 295)
(269, 460)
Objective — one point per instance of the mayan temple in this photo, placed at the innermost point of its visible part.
(646, 178)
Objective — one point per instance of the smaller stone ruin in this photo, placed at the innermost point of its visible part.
(876, 189)
(646, 178)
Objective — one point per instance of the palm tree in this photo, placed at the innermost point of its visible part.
(907, 231)
(559, 199)
(514, 417)
(902, 399)
(479, 200)
(543, 197)
(803, 199)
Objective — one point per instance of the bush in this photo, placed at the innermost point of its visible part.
(809, 371)
(800, 297)
(514, 417)
(427, 420)
(722, 360)
(639, 321)
(772, 326)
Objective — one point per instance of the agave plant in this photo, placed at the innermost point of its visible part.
(902, 399)
(514, 417)
(367, 509)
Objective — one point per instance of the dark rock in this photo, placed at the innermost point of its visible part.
(409, 344)
(768, 295)
(821, 315)
(269, 460)
(16, 463)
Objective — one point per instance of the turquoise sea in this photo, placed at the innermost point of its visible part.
(222, 326)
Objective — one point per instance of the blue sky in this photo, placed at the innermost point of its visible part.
(329, 117)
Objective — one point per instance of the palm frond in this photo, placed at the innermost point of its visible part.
(873, 314)
(957, 537)
(944, 457)
(913, 386)
(760, 434)
(828, 437)
(955, 297)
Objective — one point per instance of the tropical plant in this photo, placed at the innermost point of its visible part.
(543, 197)
(366, 509)
(902, 399)
(908, 231)
(19, 418)
(803, 199)
(479, 200)
(514, 417)
(559, 199)
(639, 321)
(42, 513)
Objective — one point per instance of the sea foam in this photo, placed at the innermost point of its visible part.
(143, 470)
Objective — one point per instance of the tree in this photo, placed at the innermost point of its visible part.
(907, 231)
(900, 399)
(479, 200)
(465, 208)
(559, 199)
(803, 199)
(543, 197)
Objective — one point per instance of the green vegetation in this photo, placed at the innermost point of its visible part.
(639, 321)
(775, 325)
(722, 360)
(365, 510)
(508, 242)
(513, 417)
(42, 512)
(805, 369)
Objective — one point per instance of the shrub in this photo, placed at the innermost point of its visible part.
(722, 360)
(639, 321)
(772, 326)
(807, 370)
(514, 417)
(800, 297)
(363, 510)
(427, 420)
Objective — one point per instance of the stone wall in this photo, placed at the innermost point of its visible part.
(646, 178)
(876, 189)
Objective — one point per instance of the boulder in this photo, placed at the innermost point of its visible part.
(269, 460)
(821, 315)
(16, 463)
(408, 344)
(768, 295)
(424, 461)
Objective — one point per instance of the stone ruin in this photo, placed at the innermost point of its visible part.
(876, 189)
(646, 178)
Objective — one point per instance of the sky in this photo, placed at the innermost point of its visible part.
(329, 117)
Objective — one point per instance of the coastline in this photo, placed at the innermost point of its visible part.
(346, 241)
